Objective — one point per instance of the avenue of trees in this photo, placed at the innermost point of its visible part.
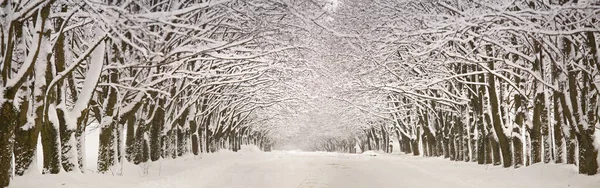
(160, 78)
(509, 83)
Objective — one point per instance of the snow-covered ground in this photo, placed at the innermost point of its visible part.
(294, 169)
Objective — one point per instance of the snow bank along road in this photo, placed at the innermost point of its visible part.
(319, 170)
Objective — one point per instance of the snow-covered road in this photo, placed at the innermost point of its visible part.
(316, 170)
(320, 170)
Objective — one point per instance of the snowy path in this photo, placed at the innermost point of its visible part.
(323, 170)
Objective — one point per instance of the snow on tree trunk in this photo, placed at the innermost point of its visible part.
(558, 130)
(46, 114)
(156, 127)
(108, 129)
(540, 118)
(26, 137)
(496, 120)
(7, 126)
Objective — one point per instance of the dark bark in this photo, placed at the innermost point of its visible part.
(156, 127)
(426, 148)
(518, 151)
(407, 144)
(7, 110)
(451, 146)
(25, 140)
(140, 151)
(588, 155)
(429, 142)
(496, 120)
(459, 139)
(570, 145)
(195, 140)
(50, 147)
(520, 109)
(130, 139)
(181, 137)
(535, 132)
(67, 134)
(570, 132)
(481, 145)
(7, 127)
(587, 152)
(558, 116)
(495, 152)
(487, 140)
(49, 133)
(482, 139)
(80, 137)
(415, 143)
(108, 130)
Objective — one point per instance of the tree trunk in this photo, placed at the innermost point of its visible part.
(452, 146)
(558, 116)
(488, 140)
(156, 127)
(535, 132)
(481, 144)
(140, 147)
(415, 144)
(51, 147)
(497, 122)
(69, 155)
(130, 138)
(46, 113)
(518, 131)
(195, 139)
(107, 145)
(587, 152)
(407, 144)
(7, 126)
(7, 109)
(496, 152)
(518, 151)
(181, 137)
(26, 139)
